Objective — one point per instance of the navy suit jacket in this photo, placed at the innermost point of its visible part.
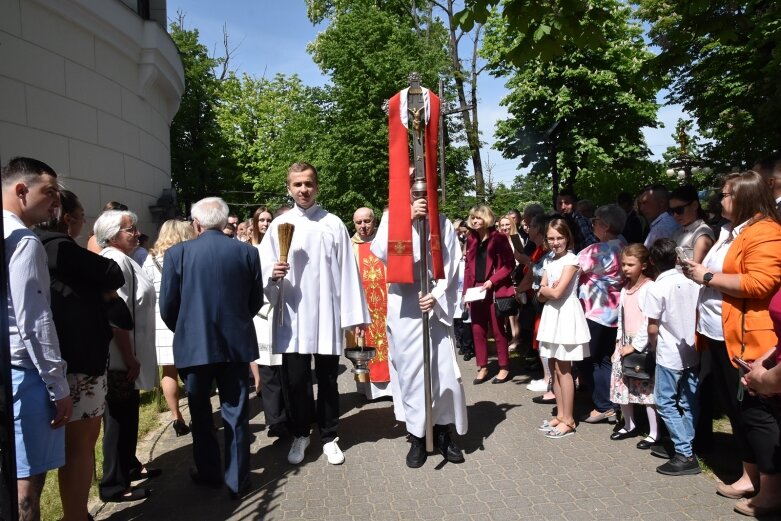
(211, 289)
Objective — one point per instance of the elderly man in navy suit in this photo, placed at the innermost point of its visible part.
(211, 289)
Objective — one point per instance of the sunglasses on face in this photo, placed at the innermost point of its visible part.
(678, 210)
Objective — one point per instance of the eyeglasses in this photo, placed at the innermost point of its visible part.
(678, 210)
(722, 195)
(132, 230)
(595, 220)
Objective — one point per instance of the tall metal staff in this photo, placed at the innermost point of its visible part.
(417, 119)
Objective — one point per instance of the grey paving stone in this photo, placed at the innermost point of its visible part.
(511, 472)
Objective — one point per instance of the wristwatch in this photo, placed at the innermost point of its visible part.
(707, 278)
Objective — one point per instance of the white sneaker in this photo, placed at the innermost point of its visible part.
(296, 454)
(333, 452)
(538, 386)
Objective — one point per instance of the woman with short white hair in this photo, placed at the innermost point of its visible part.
(132, 361)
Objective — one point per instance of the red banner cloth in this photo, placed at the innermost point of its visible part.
(400, 260)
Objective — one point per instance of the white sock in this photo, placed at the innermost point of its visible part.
(629, 419)
(653, 422)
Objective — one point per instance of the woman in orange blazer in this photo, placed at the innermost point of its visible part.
(489, 264)
(740, 275)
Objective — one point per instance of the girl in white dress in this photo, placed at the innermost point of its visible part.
(172, 232)
(563, 334)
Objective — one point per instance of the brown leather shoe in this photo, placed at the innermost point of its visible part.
(731, 492)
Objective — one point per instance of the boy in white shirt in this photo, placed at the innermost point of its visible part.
(671, 308)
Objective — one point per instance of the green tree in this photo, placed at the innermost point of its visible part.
(542, 30)
(200, 162)
(368, 50)
(724, 63)
(269, 124)
(576, 119)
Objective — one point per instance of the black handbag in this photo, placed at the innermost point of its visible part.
(636, 365)
(505, 306)
(639, 365)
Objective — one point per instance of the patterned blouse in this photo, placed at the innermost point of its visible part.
(601, 280)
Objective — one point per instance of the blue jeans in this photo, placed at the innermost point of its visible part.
(676, 390)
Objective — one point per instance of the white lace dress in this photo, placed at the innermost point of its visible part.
(563, 332)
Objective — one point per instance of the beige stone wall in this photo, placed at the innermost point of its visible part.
(90, 88)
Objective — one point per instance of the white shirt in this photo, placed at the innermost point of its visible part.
(322, 294)
(140, 298)
(709, 306)
(664, 226)
(672, 300)
(32, 335)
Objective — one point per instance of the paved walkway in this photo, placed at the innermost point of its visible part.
(511, 472)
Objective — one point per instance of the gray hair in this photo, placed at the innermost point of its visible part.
(109, 223)
(612, 215)
(211, 213)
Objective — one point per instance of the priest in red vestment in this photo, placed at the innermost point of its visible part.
(373, 277)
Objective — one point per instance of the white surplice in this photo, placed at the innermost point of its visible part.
(405, 338)
(322, 294)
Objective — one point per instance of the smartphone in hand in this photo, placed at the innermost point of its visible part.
(742, 363)
(682, 255)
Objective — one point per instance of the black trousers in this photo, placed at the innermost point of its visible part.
(754, 425)
(120, 435)
(463, 333)
(299, 395)
(273, 397)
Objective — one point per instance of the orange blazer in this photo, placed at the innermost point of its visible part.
(756, 255)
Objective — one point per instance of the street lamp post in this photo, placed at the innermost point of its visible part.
(685, 164)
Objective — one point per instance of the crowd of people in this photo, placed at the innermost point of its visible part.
(622, 301)
(677, 319)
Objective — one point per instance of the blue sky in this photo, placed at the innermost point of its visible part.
(270, 37)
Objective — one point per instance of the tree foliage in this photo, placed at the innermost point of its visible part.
(200, 164)
(268, 125)
(542, 30)
(578, 116)
(368, 50)
(724, 62)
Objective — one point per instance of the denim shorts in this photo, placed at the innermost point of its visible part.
(39, 448)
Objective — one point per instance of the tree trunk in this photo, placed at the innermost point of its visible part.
(469, 115)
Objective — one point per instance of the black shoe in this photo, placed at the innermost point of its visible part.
(468, 356)
(662, 450)
(201, 481)
(146, 473)
(545, 401)
(278, 430)
(416, 456)
(645, 444)
(498, 380)
(680, 465)
(135, 494)
(618, 435)
(446, 445)
(180, 428)
(478, 381)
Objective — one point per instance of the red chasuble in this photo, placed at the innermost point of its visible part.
(373, 276)
(400, 261)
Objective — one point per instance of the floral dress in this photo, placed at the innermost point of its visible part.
(634, 330)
